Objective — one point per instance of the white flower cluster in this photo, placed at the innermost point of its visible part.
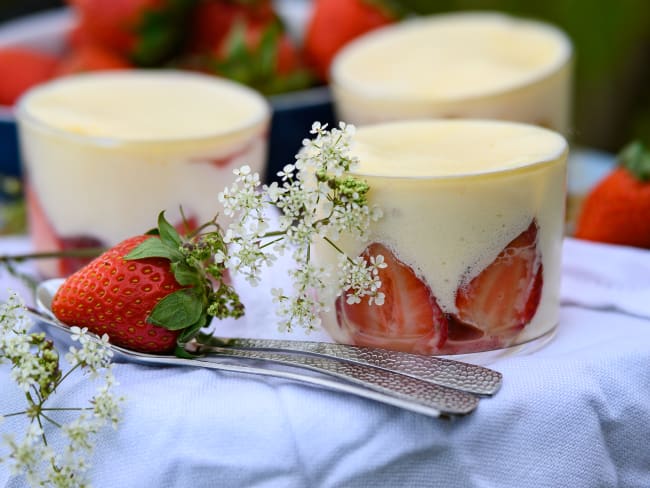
(35, 369)
(318, 200)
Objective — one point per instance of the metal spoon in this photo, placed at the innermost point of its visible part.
(365, 381)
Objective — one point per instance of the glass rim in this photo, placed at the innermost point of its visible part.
(345, 83)
(22, 114)
(552, 157)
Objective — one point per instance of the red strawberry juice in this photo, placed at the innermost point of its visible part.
(471, 232)
(104, 153)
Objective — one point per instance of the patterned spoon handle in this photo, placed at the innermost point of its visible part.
(439, 371)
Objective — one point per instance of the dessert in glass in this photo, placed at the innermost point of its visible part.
(472, 65)
(105, 153)
(471, 234)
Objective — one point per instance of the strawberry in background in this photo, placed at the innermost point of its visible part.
(146, 32)
(617, 210)
(334, 23)
(91, 58)
(21, 69)
(212, 20)
(245, 41)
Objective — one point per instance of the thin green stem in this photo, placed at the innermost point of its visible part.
(271, 243)
(274, 233)
(40, 424)
(329, 241)
(204, 226)
(15, 414)
(51, 420)
(64, 409)
(37, 393)
(70, 253)
(56, 385)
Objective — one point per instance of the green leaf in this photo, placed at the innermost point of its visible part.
(636, 159)
(190, 332)
(179, 352)
(154, 248)
(168, 233)
(256, 66)
(178, 310)
(186, 275)
(161, 32)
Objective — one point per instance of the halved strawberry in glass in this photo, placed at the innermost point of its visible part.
(410, 319)
(504, 297)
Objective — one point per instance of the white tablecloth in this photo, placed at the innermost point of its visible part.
(575, 413)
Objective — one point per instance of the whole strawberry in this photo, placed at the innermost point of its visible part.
(149, 292)
(617, 210)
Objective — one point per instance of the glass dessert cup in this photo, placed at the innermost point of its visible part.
(104, 153)
(472, 227)
(462, 65)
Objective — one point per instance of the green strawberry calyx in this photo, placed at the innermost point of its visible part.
(205, 292)
(257, 66)
(635, 157)
(161, 33)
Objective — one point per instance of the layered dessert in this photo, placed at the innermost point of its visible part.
(476, 64)
(471, 233)
(105, 153)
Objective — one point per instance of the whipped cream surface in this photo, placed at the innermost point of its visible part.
(451, 56)
(139, 105)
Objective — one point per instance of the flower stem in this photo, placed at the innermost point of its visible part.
(86, 252)
(51, 420)
(271, 242)
(65, 376)
(15, 414)
(331, 243)
(63, 409)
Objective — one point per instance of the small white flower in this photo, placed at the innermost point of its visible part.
(242, 171)
(352, 299)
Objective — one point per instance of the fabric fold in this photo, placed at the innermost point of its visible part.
(606, 277)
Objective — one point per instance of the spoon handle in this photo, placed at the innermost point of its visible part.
(404, 389)
(444, 372)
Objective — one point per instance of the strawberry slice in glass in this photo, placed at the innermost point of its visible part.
(494, 306)
(410, 319)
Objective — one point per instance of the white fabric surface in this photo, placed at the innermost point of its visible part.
(574, 413)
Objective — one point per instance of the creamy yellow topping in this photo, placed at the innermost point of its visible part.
(451, 56)
(452, 147)
(138, 105)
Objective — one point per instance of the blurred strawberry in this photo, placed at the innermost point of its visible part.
(262, 57)
(334, 23)
(246, 42)
(91, 58)
(22, 68)
(148, 32)
(212, 20)
(617, 210)
(409, 320)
